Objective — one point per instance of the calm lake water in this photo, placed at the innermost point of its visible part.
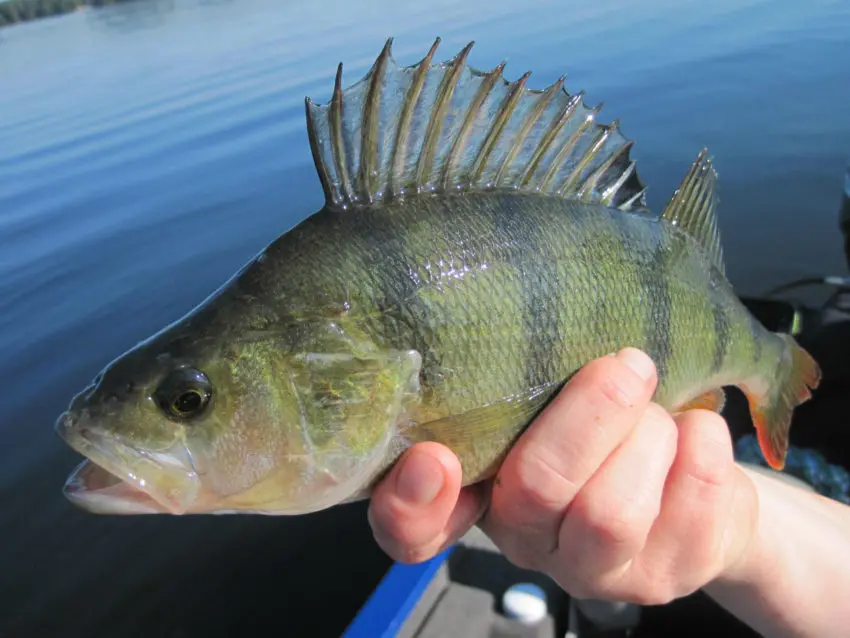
(148, 150)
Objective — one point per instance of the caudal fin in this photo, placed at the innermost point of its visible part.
(797, 375)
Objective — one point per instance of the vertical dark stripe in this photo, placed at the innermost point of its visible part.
(621, 236)
(537, 276)
(651, 253)
(721, 327)
(542, 313)
(755, 331)
(386, 247)
(654, 281)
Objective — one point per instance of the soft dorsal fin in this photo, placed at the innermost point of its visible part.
(693, 208)
(448, 127)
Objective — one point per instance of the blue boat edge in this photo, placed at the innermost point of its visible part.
(395, 597)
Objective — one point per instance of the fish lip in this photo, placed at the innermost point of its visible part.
(109, 454)
(118, 498)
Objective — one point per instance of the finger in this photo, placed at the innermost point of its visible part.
(419, 507)
(562, 449)
(610, 519)
(685, 547)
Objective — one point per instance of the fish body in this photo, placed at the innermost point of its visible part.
(479, 244)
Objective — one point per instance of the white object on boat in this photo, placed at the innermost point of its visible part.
(525, 602)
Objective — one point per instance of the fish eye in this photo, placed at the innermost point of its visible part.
(184, 394)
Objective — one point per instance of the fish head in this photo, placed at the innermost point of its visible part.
(133, 423)
(257, 425)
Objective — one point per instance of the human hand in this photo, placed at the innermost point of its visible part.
(605, 492)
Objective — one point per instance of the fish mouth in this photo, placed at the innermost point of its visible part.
(117, 478)
(94, 489)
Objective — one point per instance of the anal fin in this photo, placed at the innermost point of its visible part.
(713, 400)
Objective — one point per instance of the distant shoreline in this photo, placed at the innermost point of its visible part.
(16, 11)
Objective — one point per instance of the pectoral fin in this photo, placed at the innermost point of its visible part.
(352, 400)
(481, 438)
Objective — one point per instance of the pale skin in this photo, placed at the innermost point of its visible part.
(616, 499)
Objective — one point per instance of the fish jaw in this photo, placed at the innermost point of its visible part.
(93, 489)
(119, 479)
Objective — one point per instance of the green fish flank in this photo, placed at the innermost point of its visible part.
(480, 242)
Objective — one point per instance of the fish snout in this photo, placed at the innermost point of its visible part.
(68, 425)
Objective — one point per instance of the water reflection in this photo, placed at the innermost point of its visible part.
(148, 150)
(132, 16)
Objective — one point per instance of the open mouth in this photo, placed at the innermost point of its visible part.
(96, 490)
(119, 479)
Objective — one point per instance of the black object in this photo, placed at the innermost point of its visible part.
(845, 215)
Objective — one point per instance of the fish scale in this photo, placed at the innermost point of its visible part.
(539, 309)
(480, 242)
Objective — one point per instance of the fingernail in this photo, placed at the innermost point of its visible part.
(638, 361)
(420, 479)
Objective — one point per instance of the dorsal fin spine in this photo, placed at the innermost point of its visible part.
(369, 130)
(446, 90)
(700, 223)
(447, 126)
(403, 130)
(484, 90)
(593, 179)
(315, 149)
(614, 187)
(572, 179)
(692, 208)
(626, 205)
(550, 135)
(542, 103)
(498, 126)
(337, 138)
(567, 148)
(683, 192)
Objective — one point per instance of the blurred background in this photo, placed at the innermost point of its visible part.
(150, 148)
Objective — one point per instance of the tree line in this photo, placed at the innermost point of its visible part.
(12, 11)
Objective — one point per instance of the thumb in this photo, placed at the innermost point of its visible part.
(419, 508)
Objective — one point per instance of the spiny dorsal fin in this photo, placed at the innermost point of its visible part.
(448, 127)
(693, 207)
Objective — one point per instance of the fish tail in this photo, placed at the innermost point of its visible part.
(796, 375)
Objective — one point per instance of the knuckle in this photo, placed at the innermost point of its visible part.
(665, 431)
(610, 522)
(661, 420)
(528, 544)
(516, 545)
(537, 485)
(520, 557)
(584, 586)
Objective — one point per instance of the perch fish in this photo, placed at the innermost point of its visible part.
(480, 241)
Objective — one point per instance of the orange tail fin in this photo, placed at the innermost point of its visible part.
(797, 376)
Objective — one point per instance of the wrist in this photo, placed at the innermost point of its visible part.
(792, 578)
(743, 546)
(759, 573)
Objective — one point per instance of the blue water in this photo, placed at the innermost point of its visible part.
(148, 150)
